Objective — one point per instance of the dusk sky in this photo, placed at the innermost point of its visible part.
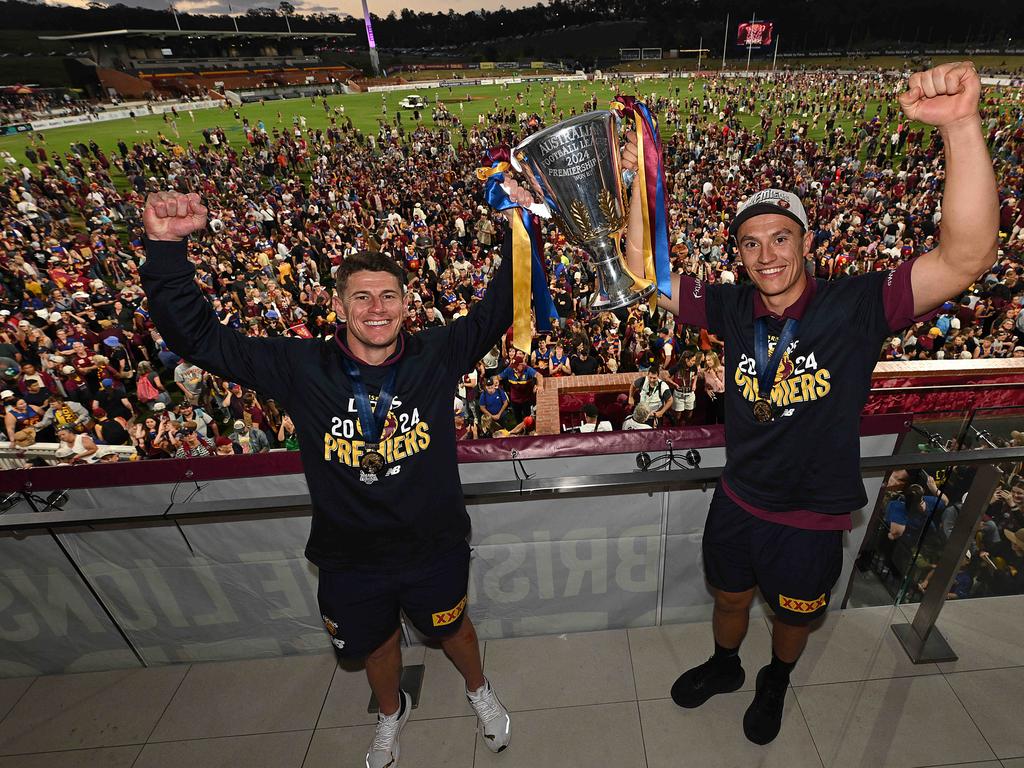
(353, 7)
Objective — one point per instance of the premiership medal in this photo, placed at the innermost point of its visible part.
(768, 366)
(372, 461)
(371, 420)
(763, 410)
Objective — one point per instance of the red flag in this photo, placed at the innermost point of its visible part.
(301, 331)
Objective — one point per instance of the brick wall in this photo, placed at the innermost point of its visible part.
(548, 416)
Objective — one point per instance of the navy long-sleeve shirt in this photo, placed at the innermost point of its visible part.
(416, 507)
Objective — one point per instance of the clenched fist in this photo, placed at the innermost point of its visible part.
(173, 216)
(943, 95)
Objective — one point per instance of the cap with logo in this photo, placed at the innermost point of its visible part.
(239, 424)
(776, 201)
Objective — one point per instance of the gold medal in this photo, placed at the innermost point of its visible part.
(372, 461)
(763, 410)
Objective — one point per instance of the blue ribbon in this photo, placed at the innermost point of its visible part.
(662, 262)
(767, 367)
(372, 422)
(543, 304)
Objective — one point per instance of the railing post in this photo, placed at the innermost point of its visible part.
(920, 639)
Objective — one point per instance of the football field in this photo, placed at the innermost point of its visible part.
(365, 110)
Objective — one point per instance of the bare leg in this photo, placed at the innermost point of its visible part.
(384, 671)
(789, 640)
(463, 649)
(731, 617)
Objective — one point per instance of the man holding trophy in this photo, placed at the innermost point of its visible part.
(799, 352)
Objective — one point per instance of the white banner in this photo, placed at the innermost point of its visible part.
(157, 108)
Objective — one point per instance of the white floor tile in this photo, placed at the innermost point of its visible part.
(855, 645)
(350, 693)
(899, 723)
(265, 750)
(711, 736)
(561, 670)
(993, 697)
(444, 689)
(571, 737)
(90, 709)
(661, 654)
(235, 698)
(447, 743)
(104, 757)
(985, 633)
(12, 689)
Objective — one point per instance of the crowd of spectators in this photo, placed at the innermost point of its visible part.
(85, 367)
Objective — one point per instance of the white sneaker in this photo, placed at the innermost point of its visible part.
(495, 724)
(384, 749)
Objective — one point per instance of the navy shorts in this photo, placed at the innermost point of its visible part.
(360, 606)
(794, 568)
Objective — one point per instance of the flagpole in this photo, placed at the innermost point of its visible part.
(749, 46)
(175, 14)
(232, 15)
(700, 50)
(725, 39)
(775, 58)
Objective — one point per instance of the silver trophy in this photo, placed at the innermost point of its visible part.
(576, 167)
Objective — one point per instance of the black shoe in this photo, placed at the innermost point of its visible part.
(697, 685)
(763, 717)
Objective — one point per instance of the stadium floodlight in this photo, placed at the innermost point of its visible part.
(374, 58)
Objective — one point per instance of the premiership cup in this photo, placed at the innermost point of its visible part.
(576, 166)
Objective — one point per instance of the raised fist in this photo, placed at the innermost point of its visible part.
(173, 216)
(943, 95)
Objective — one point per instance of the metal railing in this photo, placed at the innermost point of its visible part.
(921, 639)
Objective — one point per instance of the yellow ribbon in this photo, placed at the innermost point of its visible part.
(522, 268)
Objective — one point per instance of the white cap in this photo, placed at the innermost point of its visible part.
(159, 406)
(239, 424)
(770, 201)
(6, 393)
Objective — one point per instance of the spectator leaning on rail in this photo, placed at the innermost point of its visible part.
(791, 478)
(380, 542)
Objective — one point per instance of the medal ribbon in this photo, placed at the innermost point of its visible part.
(653, 196)
(371, 422)
(529, 279)
(767, 367)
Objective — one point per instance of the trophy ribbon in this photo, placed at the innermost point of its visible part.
(654, 239)
(529, 279)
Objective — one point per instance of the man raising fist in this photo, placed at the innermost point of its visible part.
(372, 412)
(800, 356)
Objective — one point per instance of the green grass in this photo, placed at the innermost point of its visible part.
(365, 111)
(363, 108)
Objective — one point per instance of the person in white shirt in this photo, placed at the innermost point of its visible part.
(640, 418)
(591, 422)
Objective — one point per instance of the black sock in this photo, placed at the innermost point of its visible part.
(779, 670)
(726, 657)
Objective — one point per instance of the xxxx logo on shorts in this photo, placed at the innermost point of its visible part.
(444, 618)
(802, 606)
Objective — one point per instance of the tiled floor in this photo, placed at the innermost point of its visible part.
(594, 699)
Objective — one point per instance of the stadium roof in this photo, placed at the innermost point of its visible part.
(189, 33)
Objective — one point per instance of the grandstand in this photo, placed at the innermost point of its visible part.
(146, 63)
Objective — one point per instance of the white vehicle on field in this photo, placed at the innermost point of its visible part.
(413, 102)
